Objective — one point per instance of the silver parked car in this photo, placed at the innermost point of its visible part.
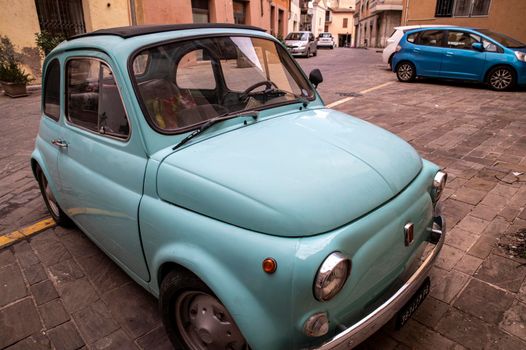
(302, 44)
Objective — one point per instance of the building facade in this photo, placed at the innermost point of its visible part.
(313, 15)
(294, 16)
(339, 21)
(375, 21)
(20, 20)
(504, 16)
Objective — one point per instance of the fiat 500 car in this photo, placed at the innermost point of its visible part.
(201, 159)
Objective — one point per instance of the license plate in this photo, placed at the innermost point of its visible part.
(412, 305)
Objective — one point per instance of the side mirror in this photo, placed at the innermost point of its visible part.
(315, 77)
(477, 47)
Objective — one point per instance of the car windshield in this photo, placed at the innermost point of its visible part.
(183, 84)
(297, 36)
(325, 35)
(502, 39)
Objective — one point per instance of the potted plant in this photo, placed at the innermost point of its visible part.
(12, 76)
(47, 41)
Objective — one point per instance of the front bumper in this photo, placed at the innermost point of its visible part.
(364, 328)
(297, 51)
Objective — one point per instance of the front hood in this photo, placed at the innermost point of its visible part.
(296, 175)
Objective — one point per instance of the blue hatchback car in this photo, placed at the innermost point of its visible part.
(461, 53)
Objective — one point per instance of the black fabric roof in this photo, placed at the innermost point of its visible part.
(131, 31)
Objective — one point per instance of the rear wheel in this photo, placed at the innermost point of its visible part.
(49, 199)
(194, 317)
(406, 72)
(501, 78)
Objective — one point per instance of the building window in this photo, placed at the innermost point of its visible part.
(462, 8)
(61, 17)
(240, 12)
(200, 11)
(345, 22)
(327, 16)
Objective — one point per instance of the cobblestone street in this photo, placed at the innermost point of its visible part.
(58, 290)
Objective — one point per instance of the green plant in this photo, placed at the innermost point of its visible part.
(13, 73)
(47, 41)
(10, 69)
(7, 51)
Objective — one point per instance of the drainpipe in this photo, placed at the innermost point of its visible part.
(406, 12)
(132, 13)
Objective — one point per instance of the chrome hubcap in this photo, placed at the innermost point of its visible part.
(405, 71)
(53, 206)
(204, 323)
(501, 79)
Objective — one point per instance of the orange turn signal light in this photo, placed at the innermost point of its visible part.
(270, 265)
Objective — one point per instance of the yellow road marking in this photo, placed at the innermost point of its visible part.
(18, 235)
(347, 99)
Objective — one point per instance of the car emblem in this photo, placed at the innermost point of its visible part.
(409, 233)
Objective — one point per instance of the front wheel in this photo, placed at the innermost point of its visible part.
(194, 318)
(406, 72)
(501, 78)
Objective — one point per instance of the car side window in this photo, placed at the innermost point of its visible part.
(461, 40)
(412, 37)
(196, 63)
(52, 90)
(112, 116)
(431, 38)
(93, 99)
(489, 46)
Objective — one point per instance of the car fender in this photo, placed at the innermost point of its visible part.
(228, 260)
(37, 160)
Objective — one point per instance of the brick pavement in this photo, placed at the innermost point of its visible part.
(57, 290)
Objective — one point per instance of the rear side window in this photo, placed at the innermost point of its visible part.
(431, 38)
(412, 37)
(93, 99)
(52, 90)
(462, 40)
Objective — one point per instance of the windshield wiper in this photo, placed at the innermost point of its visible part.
(275, 92)
(210, 122)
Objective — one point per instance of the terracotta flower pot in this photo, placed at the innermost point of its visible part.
(14, 89)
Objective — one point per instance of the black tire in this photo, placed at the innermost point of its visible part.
(175, 289)
(406, 72)
(501, 78)
(49, 199)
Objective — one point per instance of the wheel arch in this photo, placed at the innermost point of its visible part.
(241, 303)
(505, 65)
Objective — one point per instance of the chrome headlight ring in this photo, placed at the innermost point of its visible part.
(331, 276)
(439, 183)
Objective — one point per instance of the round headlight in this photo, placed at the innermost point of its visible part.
(331, 276)
(439, 183)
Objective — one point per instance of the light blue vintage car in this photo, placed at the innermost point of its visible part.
(204, 163)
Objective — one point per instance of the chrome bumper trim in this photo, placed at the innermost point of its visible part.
(364, 328)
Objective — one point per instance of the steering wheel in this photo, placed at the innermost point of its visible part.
(244, 95)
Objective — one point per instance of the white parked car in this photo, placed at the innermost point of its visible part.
(326, 40)
(394, 39)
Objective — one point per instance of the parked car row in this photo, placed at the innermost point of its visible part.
(203, 161)
(460, 53)
(305, 44)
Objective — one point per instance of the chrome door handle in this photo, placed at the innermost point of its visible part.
(59, 143)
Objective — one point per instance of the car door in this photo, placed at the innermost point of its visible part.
(313, 43)
(461, 61)
(50, 132)
(102, 167)
(428, 52)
